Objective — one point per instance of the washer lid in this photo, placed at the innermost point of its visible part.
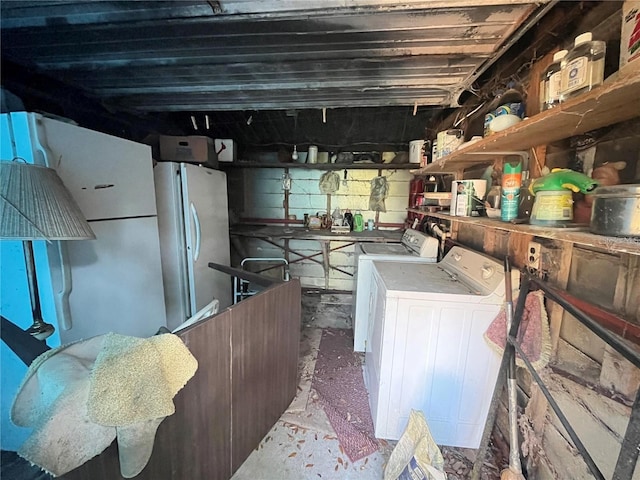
(421, 277)
(384, 249)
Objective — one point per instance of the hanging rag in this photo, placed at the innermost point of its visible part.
(329, 182)
(379, 192)
(78, 398)
(533, 335)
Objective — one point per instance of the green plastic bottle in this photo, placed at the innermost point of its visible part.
(511, 182)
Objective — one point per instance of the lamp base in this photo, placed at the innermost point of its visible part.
(41, 330)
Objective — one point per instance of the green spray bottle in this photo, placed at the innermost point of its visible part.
(511, 182)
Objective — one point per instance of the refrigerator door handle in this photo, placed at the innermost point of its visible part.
(46, 161)
(62, 284)
(196, 222)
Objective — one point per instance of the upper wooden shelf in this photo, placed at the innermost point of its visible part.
(617, 100)
(577, 235)
(320, 166)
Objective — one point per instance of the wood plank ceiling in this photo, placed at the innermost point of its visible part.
(235, 55)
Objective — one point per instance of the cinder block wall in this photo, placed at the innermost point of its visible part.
(256, 193)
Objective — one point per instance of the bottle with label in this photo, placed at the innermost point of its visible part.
(511, 183)
(550, 82)
(583, 67)
(525, 202)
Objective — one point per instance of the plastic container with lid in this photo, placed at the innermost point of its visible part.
(550, 82)
(583, 67)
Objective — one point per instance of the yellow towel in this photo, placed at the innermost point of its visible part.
(79, 397)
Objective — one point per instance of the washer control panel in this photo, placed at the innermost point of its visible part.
(476, 269)
(420, 243)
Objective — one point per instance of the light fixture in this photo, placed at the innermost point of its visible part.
(194, 123)
(35, 205)
(206, 121)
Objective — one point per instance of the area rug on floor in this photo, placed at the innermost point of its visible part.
(340, 386)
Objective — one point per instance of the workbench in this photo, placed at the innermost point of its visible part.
(279, 236)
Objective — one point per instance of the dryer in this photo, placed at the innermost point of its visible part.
(426, 349)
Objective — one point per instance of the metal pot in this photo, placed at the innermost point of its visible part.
(616, 211)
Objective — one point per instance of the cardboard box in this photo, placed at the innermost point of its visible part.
(630, 35)
(226, 150)
(192, 149)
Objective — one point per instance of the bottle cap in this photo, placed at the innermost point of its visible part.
(585, 37)
(559, 55)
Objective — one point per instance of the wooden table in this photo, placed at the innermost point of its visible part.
(275, 234)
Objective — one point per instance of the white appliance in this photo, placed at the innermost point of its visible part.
(427, 348)
(116, 282)
(415, 246)
(194, 230)
(112, 283)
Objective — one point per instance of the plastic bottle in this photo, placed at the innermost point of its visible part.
(526, 199)
(583, 67)
(358, 222)
(511, 183)
(550, 82)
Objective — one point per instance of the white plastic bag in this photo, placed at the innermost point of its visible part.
(416, 456)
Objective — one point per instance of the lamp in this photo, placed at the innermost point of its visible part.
(35, 205)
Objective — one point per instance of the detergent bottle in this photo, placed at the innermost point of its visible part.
(358, 222)
(511, 182)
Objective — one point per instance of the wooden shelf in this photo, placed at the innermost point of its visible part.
(321, 166)
(577, 235)
(617, 100)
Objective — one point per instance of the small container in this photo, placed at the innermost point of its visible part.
(550, 82)
(370, 224)
(312, 154)
(616, 211)
(583, 67)
(552, 208)
(358, 222)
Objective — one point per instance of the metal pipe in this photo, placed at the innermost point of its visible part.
(595, 471)
(497, 391)
(628, 457)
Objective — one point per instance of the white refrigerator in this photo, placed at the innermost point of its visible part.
(86, 287)
(147, 267)
(194, 230)
(112, 283)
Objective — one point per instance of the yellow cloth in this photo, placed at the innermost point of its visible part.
(79, 397)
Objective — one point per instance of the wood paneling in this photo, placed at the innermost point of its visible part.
(265, 337)
(246, 378)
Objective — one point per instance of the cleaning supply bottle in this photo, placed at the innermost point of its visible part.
(358, 222)
(550, 82)
(527, 197)
(511, 182)
(583, 67)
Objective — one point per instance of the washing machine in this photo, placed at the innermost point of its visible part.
(415, 246)
(425, 345)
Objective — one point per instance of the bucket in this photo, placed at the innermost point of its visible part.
(552, 207)
(416, 151)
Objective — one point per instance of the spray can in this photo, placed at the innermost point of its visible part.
(511, 182)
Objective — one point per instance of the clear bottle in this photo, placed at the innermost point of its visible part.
(550, 82)
(583, 67)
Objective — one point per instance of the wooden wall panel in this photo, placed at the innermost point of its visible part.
(265, 342)
(216, 426)
(195, 441)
